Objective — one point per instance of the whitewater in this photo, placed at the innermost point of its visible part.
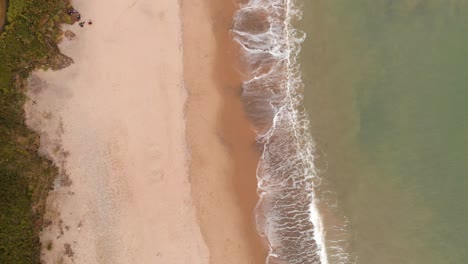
(286, 214)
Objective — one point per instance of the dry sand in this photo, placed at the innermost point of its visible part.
(130, 190)
(114, 123)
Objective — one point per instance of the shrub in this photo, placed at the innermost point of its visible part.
(28, 42)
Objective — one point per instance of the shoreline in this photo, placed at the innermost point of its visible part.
(220, 116)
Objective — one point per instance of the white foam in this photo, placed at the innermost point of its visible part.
(281, 43)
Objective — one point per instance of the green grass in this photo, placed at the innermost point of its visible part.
(28, 42)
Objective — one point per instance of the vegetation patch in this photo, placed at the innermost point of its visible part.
(28, 42)
(49, 245)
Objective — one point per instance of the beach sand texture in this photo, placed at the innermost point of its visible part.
(130, 190)
(118, 111)
(222, 143)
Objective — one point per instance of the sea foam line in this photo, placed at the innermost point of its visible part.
(287, 213)
(315, 218)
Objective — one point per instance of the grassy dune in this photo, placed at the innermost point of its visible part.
(27, 43)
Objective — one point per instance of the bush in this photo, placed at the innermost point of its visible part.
(28, 42)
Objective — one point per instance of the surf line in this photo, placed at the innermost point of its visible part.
(287, 215)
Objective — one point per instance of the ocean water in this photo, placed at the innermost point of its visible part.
(287, 216)
(386, 91)
(363, 127)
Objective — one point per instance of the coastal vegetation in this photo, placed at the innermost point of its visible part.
(27, 42)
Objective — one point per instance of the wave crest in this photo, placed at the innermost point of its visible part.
(287, 215)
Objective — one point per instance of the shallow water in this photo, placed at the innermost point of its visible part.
(286, 215)
(387, 95)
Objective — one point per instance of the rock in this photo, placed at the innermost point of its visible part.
(60, 61)
(69, 35)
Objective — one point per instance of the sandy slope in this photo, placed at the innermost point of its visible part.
(114, 123)
(224, 152)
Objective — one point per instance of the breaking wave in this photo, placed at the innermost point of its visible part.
(286, 214)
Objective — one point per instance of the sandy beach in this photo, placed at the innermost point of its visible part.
(114, 123)
(147, 176)
(224, 151)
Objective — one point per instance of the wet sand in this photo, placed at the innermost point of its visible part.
(224, 153)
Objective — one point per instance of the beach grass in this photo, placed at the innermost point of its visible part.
(28, 42)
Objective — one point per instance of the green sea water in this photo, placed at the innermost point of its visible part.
(386, 87)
